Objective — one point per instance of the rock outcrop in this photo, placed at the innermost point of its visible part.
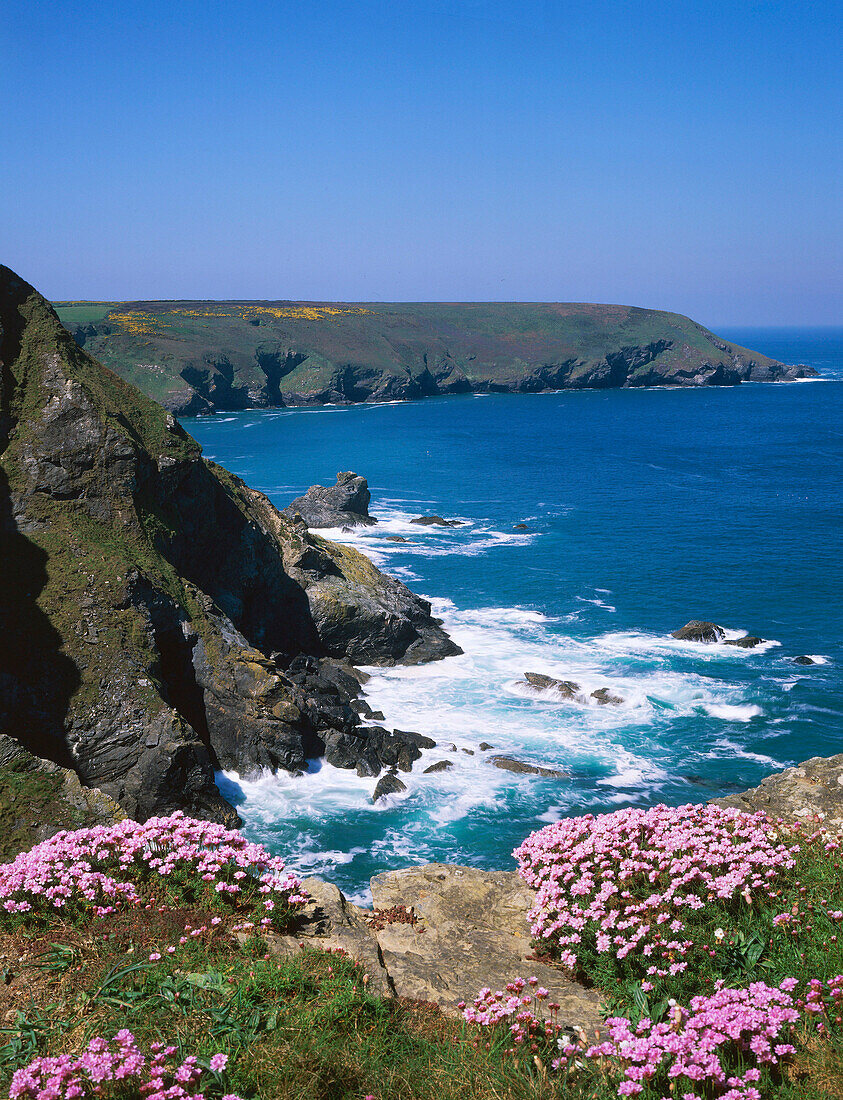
(712, 634)
(345, 504)
(438, 933)
(569, 691)
(698, 631)
(520, 767)
(264, 354)
(810, 792)
(153, 606)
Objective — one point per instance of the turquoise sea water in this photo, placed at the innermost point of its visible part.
(644, 509)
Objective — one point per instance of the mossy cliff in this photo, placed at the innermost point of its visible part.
(159, 618)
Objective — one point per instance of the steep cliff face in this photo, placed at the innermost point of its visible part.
(195, 357)
(152, 606)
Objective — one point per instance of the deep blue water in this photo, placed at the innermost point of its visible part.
(645, 509)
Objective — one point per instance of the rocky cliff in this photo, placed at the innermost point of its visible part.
(196, 357)
(158, 618)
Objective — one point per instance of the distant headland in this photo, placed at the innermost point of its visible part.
(200, 357)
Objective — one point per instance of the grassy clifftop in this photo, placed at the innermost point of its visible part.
(195, 357)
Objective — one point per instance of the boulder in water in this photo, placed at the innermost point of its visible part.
(605, 698)
(345, 504)
(804, 660)
(436, 521)
(748, 642)
(519, 767)
(539, 682)
(388, 784)
(698, 631)
(439, 766)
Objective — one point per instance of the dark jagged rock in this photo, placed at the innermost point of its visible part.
(712, 634)
(345, 504)
(436, 521)
(484, 746)
(606, 698)
(370, 749)
(519, 767)
(439, 766)
(699, 631)
(539, 682)
(388, 784)
(395, 538)
(520, 527)
(804, 660)
(159, 618)
(258, 355)
(568, 690)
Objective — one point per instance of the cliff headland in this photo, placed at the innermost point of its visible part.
(197, 357)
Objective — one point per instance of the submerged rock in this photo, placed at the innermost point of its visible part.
(605, 698)
(395, 538)
(804, 660)
(345, 504)
(699, 631)
(749, 641)
(519, 767)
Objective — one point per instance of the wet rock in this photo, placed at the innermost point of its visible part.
(804, 660)
(747, 642)
(439, 766)
(484, 746)
(436, 521)
(699, 631)
(811, 792)
(388, 784)
(539, 682)
(395, 538)
(520, 527)
(605, 698)
(345, 504)
(519, 767)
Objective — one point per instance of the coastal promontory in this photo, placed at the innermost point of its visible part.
(197, 357)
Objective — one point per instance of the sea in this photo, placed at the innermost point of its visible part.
(643, 509)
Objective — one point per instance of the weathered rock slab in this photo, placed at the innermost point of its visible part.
(813, 791)
(473, 933)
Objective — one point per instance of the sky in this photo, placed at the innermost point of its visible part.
(683, 156)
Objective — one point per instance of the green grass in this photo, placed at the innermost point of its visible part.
(306, 1026)
(82, 313)
(29, 798)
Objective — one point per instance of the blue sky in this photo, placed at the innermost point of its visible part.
(683, 156)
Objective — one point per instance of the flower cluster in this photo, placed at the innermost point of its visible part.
(624, 882)
(103, 869)
(705, 1042)
(824, 999)
(515, 1008)
(108, 1067)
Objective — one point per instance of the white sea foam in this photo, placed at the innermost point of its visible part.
(733, 713)
(726, 748)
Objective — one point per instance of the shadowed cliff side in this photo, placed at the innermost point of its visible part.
(172, 601)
